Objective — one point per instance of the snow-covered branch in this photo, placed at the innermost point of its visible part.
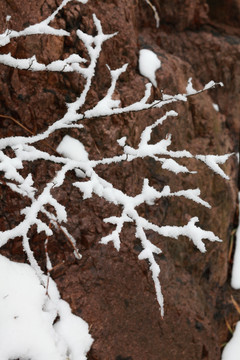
(71, 155)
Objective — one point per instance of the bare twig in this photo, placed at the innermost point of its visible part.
(28, 130)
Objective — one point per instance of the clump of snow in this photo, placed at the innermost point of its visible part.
(232, 349)
(148, 65)
(211, 84)
(189, 89)
(72, 148)
(216, 107)
(235, 281)
(27, 316)
(74, 332)
(122, 141)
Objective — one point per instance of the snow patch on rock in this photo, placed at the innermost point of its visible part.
(148, 65)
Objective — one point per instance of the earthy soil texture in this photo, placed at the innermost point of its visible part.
(113, 291)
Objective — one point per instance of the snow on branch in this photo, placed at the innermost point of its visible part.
(71, 155)
(38, 29)
(156, 15)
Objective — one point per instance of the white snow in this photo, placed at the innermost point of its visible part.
(75, 58)
(157, 18)
(72, 148)
(235, 281)
(27, 315)
(107, 104)
(74, 331)
(189, 89)
(209, 85)
(122, 141)
(148, 65)
(212, 162)
(172, 165)
(232, 350)
(216, 107)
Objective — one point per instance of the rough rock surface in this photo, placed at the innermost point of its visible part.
(111, 290)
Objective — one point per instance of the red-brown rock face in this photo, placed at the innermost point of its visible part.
(113, 291)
